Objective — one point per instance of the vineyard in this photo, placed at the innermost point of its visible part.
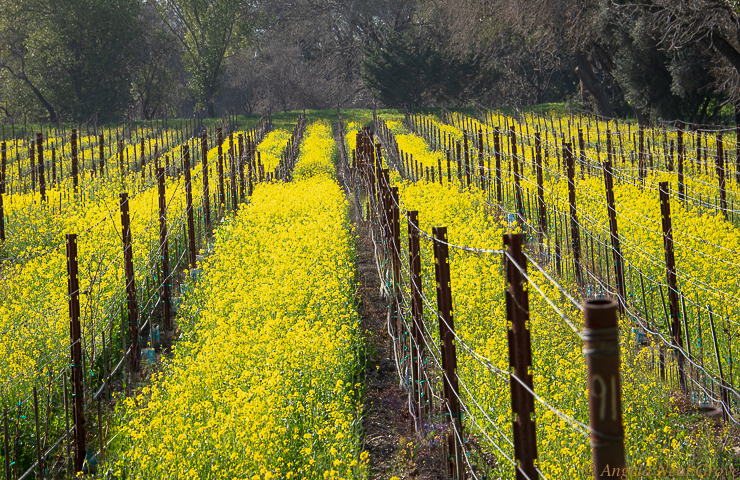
(182, 300)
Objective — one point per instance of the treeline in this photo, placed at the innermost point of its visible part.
(101, 60)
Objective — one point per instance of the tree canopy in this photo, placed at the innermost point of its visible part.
(100, 60)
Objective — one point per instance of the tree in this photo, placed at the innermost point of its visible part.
(711, 27)
(75, 56)
(154, 81)
(208, 32)
(413, 69)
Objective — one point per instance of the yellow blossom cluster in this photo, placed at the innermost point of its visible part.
(272, 147)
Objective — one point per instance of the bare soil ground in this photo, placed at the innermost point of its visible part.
(390, 439)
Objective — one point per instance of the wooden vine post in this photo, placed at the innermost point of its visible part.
(120, 159)
(517, 179)
(721, 176)
(189, 207)
(601, 348)
(481, 166)
(2, 219)
(642, 168)
(3, 165)
(456, 463)
(520, 359)
(221, 191)
(467, 157)
(541, 206)
(101, 154)
(613, 230)
(73, 290)
(74, 159)
(421, 393)
(497, 155)
(204, 162)
(164, 249)
(582, 152)
(670, 266)
(143, 160)
(232, 169)
(242, 185)
(737, 154)
(575, 236)
(679, 160)
(42, 178)
(131, 302)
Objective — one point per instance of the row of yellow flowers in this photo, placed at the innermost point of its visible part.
(262, 382)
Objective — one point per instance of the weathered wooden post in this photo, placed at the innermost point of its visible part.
(601, 348)
(520, 359)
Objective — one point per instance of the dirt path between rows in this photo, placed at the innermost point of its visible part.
(390, 439)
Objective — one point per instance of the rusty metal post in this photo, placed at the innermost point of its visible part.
(73, 290)
(574, 231)
(613, 230)
(42, 178)
(520, 358)
(456, 463)
(164, 250)
(131, 302)
(601, 348)
(74, 158)
(541, 206)
(670, 266)
(189, 207)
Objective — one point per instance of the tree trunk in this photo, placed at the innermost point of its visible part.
(726, 49)
(591, 83)
(211, 111)
(642, 119)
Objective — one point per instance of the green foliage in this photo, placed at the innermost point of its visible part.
(674, 86)
(75, 56)
(208, 31)
(414, 70)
